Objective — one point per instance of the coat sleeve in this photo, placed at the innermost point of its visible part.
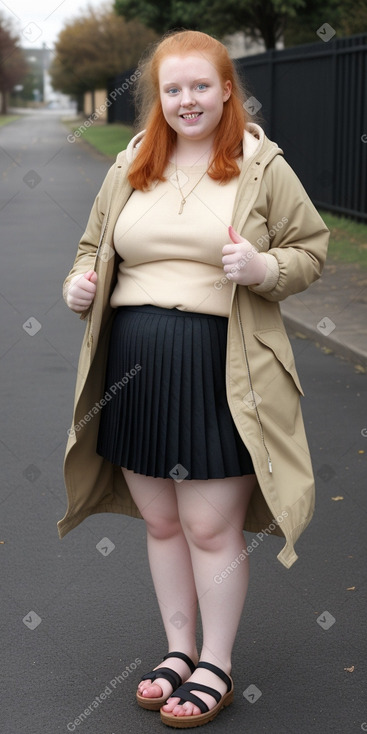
(88, 245)
(300, 247)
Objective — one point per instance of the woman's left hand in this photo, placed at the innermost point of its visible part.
(242, 263)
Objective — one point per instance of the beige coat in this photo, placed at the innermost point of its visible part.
(273, 212)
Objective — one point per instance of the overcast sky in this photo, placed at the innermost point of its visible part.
(40, 21)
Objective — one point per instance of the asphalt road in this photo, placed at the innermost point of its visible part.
(79, 627)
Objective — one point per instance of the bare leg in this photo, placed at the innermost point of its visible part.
(171, 569)
(212, 514)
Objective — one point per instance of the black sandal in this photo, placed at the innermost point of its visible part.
(154, 704)
(184, 693)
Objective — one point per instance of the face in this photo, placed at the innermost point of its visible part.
(192, 96)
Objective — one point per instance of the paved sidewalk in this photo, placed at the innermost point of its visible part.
(79, 627)
(333, 311)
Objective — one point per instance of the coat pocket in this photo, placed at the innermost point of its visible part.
(282, 387)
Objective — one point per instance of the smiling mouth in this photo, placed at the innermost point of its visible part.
(190, 115)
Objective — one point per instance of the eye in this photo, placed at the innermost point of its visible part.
(172, 90)
(202, 86)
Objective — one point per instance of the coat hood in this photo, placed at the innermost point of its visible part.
(253, 140)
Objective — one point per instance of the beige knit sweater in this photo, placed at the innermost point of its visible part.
(174, 260)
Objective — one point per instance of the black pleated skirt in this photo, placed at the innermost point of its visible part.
(167, 414)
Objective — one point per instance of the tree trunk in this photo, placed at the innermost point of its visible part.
(4, 102)
(268, 32)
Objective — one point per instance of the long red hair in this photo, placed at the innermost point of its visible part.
(159, 139)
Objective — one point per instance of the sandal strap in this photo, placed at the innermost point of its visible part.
(217, 671)
(167, 674)
(184, 694)
(183, 657)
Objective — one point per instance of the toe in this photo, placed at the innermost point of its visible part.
(152, 690)
(170, 704)
(187, 709)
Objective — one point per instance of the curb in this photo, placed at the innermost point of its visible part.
(351, 354)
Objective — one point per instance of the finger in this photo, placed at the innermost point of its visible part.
(93, 278)
(235, 237)
(80, 302)
(91, 275)
(230, 259)
(86, 286)
(229, 249)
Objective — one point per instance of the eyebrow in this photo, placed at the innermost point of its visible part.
(195, 81)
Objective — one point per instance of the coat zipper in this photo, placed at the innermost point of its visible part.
(103, 231)
(251, 387)
(90, 337)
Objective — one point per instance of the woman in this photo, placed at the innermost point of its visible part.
(187, 402)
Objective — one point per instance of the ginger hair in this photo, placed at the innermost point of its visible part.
(159, 140)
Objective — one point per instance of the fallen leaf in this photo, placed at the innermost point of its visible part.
(350, 670)
(351, 588)
(336, 499)
(361, 451)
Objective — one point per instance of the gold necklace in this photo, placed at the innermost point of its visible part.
(184, 198)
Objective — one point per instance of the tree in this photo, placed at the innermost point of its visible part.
(13, 66)
(93, 48)
(295, 21)
(261, 19)
(346, 17)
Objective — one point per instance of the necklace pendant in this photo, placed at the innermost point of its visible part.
(183, 202)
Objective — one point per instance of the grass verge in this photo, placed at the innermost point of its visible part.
(5, 119)
(107, 139)
(348, 240)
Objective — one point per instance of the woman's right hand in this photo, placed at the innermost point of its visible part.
(81, 291)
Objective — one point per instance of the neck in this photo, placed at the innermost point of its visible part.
(191, 153)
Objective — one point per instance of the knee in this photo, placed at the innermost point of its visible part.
(205, 535)
(163, 527)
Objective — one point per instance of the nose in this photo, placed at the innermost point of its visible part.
(187, 98)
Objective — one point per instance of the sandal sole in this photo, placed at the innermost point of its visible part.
(189, 722)
(154, 704)
(151, 704)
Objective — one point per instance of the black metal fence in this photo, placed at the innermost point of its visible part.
(314, 105)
